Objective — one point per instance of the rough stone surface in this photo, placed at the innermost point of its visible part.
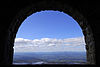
(15, 12)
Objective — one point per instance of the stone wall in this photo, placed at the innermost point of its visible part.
(17, 12)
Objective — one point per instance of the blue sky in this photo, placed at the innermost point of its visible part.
(50, 26)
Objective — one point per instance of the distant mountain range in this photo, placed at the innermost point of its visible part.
(50, 58)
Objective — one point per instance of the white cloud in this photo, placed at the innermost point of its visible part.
(51, 44)
(45, 43)
(74, 41)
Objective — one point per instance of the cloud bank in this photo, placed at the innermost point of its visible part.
(48, 44)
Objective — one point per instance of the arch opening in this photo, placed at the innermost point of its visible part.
(50, 34)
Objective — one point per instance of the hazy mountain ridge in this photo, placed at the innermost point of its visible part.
(50, 57)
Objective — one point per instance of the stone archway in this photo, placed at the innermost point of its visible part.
(45, 5)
